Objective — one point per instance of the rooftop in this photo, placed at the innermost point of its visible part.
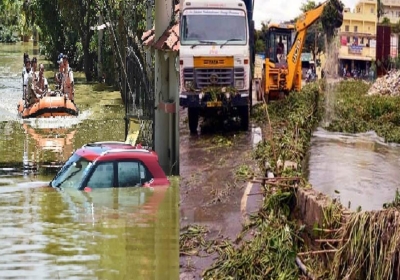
(169, 40)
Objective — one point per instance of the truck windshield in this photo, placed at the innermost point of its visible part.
(214, 25)
(71, 174)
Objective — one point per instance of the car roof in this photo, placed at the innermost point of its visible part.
(109, 150)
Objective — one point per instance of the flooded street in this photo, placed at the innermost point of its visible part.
(358, 169)
(49, 234)
(211, 194)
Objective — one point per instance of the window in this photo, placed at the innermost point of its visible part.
(348, 40)
(346, 28)
(372, 10)
(132, 173)
(355, 28)
(197, 25)
(362, 41)
(102, 176)
(72, 172)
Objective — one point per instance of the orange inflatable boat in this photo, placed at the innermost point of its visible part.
(51, 105)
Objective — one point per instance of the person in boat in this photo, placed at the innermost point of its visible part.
(68, 79)
(34, 68)
(41, 85)
(26, 56)
(27, 73)
(59, 75)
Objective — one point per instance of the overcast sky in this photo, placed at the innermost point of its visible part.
(278, 11)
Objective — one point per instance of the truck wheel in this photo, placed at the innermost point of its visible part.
(244, 117)
(193, 115)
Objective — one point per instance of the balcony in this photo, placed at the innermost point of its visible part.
(359, 52)
(391, 3)
(359, 17)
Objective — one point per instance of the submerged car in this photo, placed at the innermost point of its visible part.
(110, 165)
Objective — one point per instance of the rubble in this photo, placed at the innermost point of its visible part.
(387, 85)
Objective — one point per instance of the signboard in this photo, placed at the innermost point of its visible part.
(355, 49)
(372, 43)
(306, 57)
(343, 40)
(213, 12)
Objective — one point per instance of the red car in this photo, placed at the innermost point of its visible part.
(110, 165)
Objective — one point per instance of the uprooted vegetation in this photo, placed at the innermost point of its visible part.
(356, 111)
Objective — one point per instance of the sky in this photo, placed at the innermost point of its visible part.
(279, 11)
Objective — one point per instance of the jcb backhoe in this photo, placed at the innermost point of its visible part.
(284, 44)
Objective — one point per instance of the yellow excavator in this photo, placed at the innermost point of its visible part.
(282, 71)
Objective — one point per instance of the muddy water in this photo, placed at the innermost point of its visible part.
(48, 234)
(360, 170)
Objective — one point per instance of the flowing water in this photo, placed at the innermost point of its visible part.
(49, 234)
(360, 170)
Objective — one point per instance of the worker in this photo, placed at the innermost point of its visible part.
(280, 50)
(68, 79)
(41, 85)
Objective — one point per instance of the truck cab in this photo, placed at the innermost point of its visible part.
(215, 59)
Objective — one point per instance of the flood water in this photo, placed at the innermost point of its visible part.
(358, 169)
(48, 234)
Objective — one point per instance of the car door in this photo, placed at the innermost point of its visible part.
(132, 173)
(102, 176)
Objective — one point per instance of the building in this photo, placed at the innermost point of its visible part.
(358, 36)
(391, 10)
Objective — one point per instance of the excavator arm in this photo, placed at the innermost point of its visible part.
(303, 23)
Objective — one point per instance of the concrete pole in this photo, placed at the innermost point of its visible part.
(161, 138)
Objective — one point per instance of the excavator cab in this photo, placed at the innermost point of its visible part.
(279, 39)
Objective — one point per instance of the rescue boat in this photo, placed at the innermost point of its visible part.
(52, 105)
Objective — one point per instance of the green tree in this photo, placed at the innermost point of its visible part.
(314, 41)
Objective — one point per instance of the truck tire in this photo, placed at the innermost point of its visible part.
(193, 116)
(244, 114)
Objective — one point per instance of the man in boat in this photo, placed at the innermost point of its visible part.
(68, 80)
(59, 75)
(41, 85)
(26, 77)
(34, 68)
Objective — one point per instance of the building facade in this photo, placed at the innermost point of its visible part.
(357, 37)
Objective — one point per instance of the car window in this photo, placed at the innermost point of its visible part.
(72, 172)
(131, 173)
(102, 176)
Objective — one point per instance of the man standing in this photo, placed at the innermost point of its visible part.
(68, 80)
(59, 75)
(280, 50)
(27, 75)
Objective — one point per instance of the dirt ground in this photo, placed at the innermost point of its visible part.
(212, 192)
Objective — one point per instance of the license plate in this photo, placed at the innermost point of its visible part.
(214, 104)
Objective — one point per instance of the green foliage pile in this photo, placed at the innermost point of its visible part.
(272, 252)
(357, 112)
(293, 120)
